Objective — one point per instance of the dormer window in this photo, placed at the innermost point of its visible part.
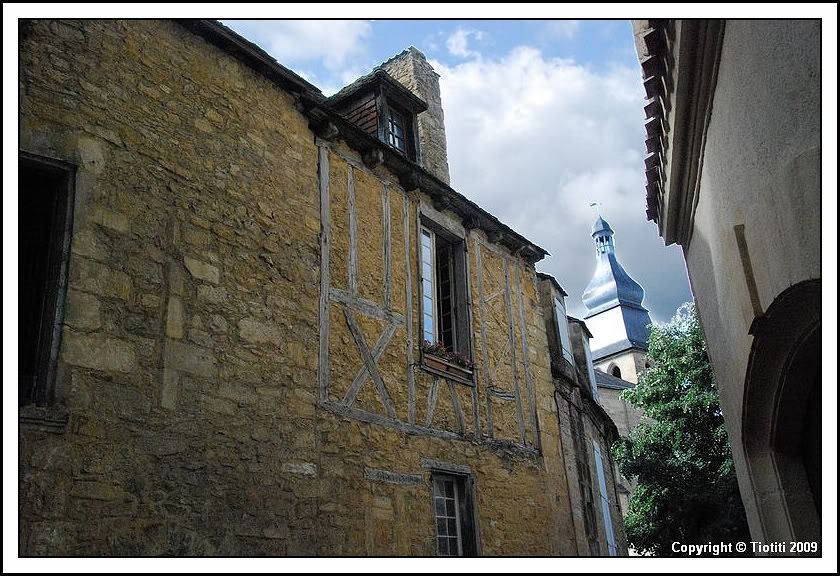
(396, 130)
(384, 109)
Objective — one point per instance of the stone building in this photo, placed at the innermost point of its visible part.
(733, 177)
(233, 290)
(587, 431)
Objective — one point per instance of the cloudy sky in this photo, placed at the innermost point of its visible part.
(542, 118)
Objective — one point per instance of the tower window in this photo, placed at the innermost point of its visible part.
(616, 371)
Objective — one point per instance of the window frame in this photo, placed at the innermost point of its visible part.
(386, 104)
(563, 328)
(465, 511)
(395, 118)
(432, 283)
(42, 390)
(590, 370)
(462, 337)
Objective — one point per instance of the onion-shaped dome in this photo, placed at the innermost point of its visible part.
(610, 285)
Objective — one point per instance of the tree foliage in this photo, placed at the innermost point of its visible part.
(679, 454)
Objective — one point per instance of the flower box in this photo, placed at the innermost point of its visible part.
(444, 365)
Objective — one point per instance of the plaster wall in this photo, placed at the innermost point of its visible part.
(607, 328)
(761, 169)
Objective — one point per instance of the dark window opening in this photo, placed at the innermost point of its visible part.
(396, 130)
(44, 218)
(446, 294)
(397, 127)
(616, 371)
(454, 513)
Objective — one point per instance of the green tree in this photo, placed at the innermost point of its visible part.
(679, 454)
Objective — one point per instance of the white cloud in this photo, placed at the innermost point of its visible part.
(534, 140)
(458, 42)
(332, 42)
(565, 29)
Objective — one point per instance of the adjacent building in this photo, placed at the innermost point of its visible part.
(733, 176)
(255, 320)
(598, 493)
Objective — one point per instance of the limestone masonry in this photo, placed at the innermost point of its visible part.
(238, 364)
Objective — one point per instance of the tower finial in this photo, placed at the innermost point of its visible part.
(597, 205)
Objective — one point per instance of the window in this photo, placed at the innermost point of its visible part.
(396, 130)
(45, 209)
(443, 282)
(616, 371)
(591, 371)
(454, 525)
(605, 502)
(563, 329)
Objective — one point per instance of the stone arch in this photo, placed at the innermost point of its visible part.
(781, 420)
(613, 370)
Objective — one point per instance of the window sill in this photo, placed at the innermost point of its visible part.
(442, 367)
(52, 419)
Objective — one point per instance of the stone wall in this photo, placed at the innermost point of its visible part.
(196, 413)
(631, 363)
(412, 70)
(581, 423)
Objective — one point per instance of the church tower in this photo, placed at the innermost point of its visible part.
(618, 321)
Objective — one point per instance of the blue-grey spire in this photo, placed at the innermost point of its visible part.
(610, 285)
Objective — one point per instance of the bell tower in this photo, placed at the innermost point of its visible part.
(618, 321)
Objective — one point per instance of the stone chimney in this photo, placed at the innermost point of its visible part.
(412, 70)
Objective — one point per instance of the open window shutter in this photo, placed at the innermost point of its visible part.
(605, 503)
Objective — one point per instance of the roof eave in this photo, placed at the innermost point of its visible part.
(413, 176)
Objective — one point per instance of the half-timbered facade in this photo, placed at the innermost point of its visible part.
(277, 332)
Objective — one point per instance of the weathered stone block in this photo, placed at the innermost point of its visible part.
(83, 311)
(169, 392)
(189, 358)
(99, 352)
(218, 323)
(176, 279)
(219, 405)
(202, 270)
(95, 277)
(175, 318)
(85, 243)
(300, 469)
(258, 332)
(150, 301)
(109, 219)
(213, 294)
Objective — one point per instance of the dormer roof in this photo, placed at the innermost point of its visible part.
(375, 79)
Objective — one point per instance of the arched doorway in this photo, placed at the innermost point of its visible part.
(782, 421)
